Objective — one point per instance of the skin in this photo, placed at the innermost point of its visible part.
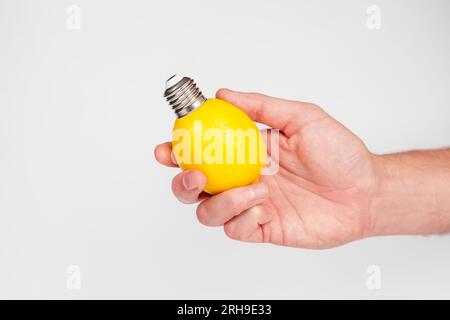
(329, 190)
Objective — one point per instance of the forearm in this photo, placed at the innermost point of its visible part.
(412, 193)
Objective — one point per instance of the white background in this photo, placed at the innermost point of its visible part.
(81, 111)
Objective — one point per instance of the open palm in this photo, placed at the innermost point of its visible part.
(319, 197)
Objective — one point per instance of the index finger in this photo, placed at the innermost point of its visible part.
(285, 115)
(163, 154)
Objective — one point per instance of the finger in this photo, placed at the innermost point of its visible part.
(285, 115)
(220, 208)
(247, 225)
(188, 186)
(274, 140)
(163, 154)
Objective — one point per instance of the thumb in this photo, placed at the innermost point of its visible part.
(284, 115)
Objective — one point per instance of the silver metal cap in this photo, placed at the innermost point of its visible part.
(183, 95)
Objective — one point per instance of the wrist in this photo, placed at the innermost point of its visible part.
(410, 195)
(381, 204)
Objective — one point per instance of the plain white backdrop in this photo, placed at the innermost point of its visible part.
(81, 110)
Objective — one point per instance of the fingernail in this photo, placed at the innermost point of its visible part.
(172, 157)
(260, 191)
(188, 182)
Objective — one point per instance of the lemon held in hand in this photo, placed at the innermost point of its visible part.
(215, 137)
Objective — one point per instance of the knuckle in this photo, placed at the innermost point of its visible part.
(256, 95)
(176, 185)
(313, 106)
(183, 198)
(202, 214)
(173, 186)
(231, 231)
(234, 201)
(185, 201)
(316, 108)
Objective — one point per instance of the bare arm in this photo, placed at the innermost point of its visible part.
(412, 194)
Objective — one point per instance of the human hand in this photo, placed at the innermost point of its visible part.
(319, 198)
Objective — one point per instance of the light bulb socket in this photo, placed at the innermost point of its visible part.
(183, 95)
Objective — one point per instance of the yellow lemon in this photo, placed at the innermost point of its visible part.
(221, 141)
